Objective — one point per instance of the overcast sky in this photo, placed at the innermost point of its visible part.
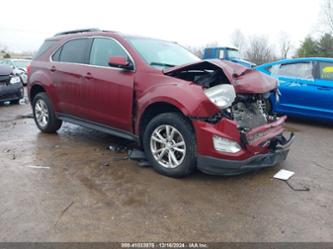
(25, 24)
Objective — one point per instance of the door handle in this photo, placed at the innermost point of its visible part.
(88, 76)
(53, 69)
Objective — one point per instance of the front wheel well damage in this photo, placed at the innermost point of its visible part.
(152, 111)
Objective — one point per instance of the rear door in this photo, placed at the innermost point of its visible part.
(66, 71)
(324, 87)
(107, 92)
(297, 87)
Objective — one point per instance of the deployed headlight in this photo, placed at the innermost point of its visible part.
(225, 145)
(221, 95)
(15, 80)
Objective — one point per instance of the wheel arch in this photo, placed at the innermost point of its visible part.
(34, 90)
(152, 111)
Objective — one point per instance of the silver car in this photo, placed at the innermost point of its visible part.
(19, 68)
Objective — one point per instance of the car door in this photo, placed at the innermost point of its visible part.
(66, 72)
(324, 88)
(296, 85)
(108, 91)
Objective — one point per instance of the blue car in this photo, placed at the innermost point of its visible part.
(306, 87)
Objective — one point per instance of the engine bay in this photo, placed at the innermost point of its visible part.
(249, 110)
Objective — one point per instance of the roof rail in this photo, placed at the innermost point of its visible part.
(77, 31)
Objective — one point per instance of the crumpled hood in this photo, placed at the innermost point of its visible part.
(244, 80)
(5, 70)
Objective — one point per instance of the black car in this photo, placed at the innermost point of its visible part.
(11, 87)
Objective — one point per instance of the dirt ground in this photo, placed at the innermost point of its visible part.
(71, 187)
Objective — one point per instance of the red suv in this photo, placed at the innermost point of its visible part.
(184, 112)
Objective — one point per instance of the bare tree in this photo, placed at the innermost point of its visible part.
(284, 45)
(259, 50)
(198, 51)
(328, 13)
(238, 40)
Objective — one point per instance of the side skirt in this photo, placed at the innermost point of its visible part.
(96, 126)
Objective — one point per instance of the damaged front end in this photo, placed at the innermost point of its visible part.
(243, 135)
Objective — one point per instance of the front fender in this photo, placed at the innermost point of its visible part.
(188, 98)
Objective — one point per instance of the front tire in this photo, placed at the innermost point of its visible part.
(44, 115)
(170, 145)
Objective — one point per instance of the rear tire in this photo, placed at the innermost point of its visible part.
(44, 114)
(169, 144)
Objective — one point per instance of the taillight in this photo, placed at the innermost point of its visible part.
(28, 71)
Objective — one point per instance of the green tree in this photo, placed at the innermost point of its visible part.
(325, 45)
(309, 48)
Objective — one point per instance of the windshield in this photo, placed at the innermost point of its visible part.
(234, 54)
(162, 54)
(21, 63)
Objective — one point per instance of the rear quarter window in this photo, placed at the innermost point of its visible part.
(45, 46)
(75, 51)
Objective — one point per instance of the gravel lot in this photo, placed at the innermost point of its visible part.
(71, 187)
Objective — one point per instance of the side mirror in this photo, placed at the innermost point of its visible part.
(120, 62)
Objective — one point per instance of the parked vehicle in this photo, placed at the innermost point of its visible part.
(183, 111)
(19, 68)
(11, 88)
(228, 54)
(306, 86)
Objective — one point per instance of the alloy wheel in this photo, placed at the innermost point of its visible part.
(168, 146)
(41, 113)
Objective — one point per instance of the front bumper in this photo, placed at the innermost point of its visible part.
(262, 147)
(218, 166)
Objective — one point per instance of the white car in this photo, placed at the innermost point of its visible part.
(19, 68)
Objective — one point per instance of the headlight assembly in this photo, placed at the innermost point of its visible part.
(14, 80)
(221, 95)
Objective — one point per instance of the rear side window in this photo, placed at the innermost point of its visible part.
(302, 70)
(102, 49)
(75, 51)
(45, 46)
(326, 70)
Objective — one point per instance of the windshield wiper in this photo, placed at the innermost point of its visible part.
(161, 64)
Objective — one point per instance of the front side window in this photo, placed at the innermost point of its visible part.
(274, 69)
(302, 70)
(234, 54)
(326, 70)
(161, 54)
(102, 49)
(75, 51)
